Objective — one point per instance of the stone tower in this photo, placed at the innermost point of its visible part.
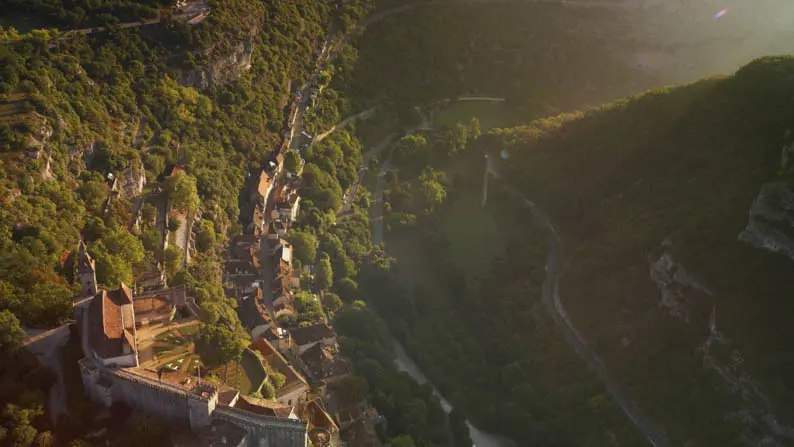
(86, 271)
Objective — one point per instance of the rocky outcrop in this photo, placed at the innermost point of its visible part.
(39, 134)
(675, 285)
(771, 220)
(131, 181)
(80, 156)
(221, 69)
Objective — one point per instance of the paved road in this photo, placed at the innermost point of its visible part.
(555, 308)
(192, 13)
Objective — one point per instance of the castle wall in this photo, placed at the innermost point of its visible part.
(264, 431)
(152, 397)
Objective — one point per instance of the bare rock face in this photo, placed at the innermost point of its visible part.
(221, 69)
(676, 285)
(39, 135)
(131, 181)
(771, 220)
(80, 156)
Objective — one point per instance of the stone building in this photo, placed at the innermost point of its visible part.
(86, 271)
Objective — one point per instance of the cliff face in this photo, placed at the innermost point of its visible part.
(221, 69)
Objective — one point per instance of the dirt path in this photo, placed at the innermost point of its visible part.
(351, 119)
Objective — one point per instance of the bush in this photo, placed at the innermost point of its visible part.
(268, 391)
(174, 223)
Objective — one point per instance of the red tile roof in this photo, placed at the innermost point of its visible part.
(112, 323)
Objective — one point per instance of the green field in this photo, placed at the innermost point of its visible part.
(490, 114)
(473, 233)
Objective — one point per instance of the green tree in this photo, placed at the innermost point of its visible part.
(205, 236)
(152, 240)
(433, 192)
(411, 154)
(331, 302)
(277, 379)
(402, 441)
(115, 255)
(304, 246)
(172, 259)
(474, 129)
(224, 344)
(308, 307)
(11, 333)
(324, 273)
(350, 390)
(268, 390)
(18, 420)
(291, 161)
(174, 223)
(93, 193)
(47, 304)
(44, 439)
(180, 188)
(347, 289)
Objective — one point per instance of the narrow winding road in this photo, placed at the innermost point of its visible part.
(555, 308)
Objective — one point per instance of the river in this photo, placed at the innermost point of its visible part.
(479, 437)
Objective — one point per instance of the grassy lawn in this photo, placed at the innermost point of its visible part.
(193, 366)
(473, 233)
(189, 331)
(177, 363)
(162, 351)
(168, 337)
(490, 114)
(250, 371)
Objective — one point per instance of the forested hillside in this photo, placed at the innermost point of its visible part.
(683, 295)
(102, 133)
(542, 57)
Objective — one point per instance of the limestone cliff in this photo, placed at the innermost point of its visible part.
(221, 68)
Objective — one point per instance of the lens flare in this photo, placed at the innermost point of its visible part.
(721, 13)
(504, 155)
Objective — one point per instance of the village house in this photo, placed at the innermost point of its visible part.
(277, 228)
(287, 203)
(254, 315)
(262, 189)
(279, 247)
(304, 338)
(323, 363)
(245, 241)
(295, 386)
(239, 267)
